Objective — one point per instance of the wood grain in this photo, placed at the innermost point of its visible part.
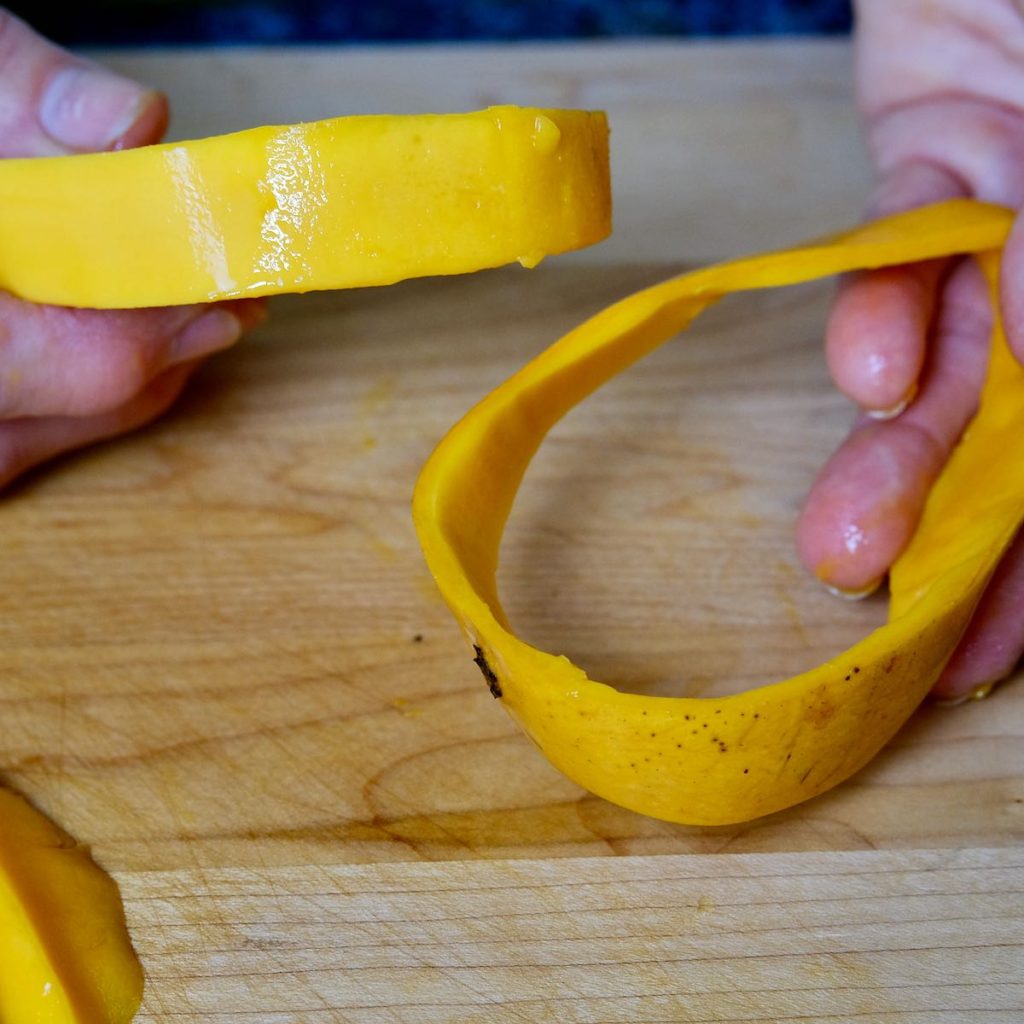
(919, 938)
(223, 664)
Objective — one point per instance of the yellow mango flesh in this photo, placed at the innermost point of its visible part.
(724, 760)
(342, 203)
(65, 955)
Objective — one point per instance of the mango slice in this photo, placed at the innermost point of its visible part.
(332, 204)
(730, 759)
(65, 956)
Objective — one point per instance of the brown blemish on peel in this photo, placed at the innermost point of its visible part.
(820, 713)
(487, 672)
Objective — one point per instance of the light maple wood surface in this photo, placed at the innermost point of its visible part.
(224, 666)
(920, 938)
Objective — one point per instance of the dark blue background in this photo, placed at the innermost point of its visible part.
(161, 22)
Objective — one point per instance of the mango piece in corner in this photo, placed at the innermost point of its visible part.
(342, 203)
(65, 954)
(723, 760)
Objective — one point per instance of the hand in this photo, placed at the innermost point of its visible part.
(941, 89)
(69, 377)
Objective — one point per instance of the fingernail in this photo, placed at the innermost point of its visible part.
(87, 108)
(894, 410)
(979, 692)
(853, 595)
(210, 332)
(251, 313)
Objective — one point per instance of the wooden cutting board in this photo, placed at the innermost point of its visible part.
(224, 666)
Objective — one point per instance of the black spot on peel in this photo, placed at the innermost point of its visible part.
(487, 672)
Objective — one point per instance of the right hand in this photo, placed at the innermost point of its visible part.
(941, 89)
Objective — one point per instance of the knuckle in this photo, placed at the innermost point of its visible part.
(13, 39)
(103, 361)
(114, 376)
(11, 462)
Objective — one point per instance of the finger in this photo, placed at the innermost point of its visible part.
(1011, 286)
(994, 641)
(863, 508)
(875, 338)
(53, 103)
(56, 361)
(28, 442)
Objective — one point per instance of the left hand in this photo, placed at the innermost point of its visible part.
(70, 377)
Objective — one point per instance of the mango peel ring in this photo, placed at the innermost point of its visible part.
(716, 761)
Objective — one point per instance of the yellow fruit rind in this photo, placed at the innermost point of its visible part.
(723, 760)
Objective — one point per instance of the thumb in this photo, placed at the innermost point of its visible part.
(52, 103)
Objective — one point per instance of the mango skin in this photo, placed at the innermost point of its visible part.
(342, 203)
(720, 761)
(65, 953)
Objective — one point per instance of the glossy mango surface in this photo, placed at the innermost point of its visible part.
(341, 203)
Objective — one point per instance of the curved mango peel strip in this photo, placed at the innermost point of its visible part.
(716, 761)
(65, 955)
(341, 203)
